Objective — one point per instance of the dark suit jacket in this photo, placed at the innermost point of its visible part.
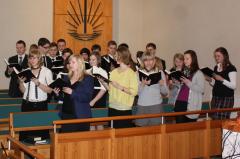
(59, 58)
(47, 62)
(108, 66)
(14, 90)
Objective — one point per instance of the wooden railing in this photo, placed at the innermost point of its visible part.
(169, 141)
(131, 117)
(17, 150)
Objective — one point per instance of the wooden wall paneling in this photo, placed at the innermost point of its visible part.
(138, 147)
(178, 145)
(171, 141)
(102, 40)
(84, 145)
(92, 149)
(138, 143)
(60, 30)
(61, 9)
(61, 6)
(215, 141)
(216, 137)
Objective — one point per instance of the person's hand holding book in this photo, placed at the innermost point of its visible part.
(145, 82)
(185, 80)
(67, 90)
(56, 91)
(218, 77)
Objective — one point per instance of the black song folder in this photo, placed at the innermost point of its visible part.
(155, 77)
(27, 73)
(207, 71)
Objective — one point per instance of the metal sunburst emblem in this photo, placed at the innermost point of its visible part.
(86, 25)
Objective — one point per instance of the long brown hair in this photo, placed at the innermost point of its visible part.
(123, 55)
(226, 60)
(194, 67)
(98, 57)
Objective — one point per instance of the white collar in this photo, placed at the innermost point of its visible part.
(106, 58)
(110, 56)
(60, 53)
(53, 58)
(219, 67)
(23, 55)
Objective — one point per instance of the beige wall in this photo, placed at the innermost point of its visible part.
(178, 25)
(22, 19)
(174, 25)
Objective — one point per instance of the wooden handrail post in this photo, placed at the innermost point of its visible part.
(9, 145)
(55, 128)
(162, 119)
(111, 123)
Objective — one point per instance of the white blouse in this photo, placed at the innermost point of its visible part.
(44, 78)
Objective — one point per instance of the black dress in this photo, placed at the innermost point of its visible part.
(102, 102)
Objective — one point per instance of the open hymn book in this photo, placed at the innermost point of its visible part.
(98, 72)
(27, 74)
(175, 74)
(207, 71)
(155, 77)
(16, 65)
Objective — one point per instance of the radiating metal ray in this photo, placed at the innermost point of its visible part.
(80, 9)
(72, 18)
(90, 10)
(97, 19)
(75, 12)
(95, 27)
(71, 24)
(95, 12)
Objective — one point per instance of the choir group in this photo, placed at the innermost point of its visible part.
(80, 81)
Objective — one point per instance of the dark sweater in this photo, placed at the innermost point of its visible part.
(219, 89)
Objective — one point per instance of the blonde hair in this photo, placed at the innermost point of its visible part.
(81, 67)
(149, 56)
(36, 53)
(158, 63)
(177, 56)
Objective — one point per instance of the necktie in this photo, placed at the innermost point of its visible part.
(20, 60)
(52, 60)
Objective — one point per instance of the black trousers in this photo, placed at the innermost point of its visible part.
(181, 106)
(29, 107)
(73, 127)
(120, 123)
